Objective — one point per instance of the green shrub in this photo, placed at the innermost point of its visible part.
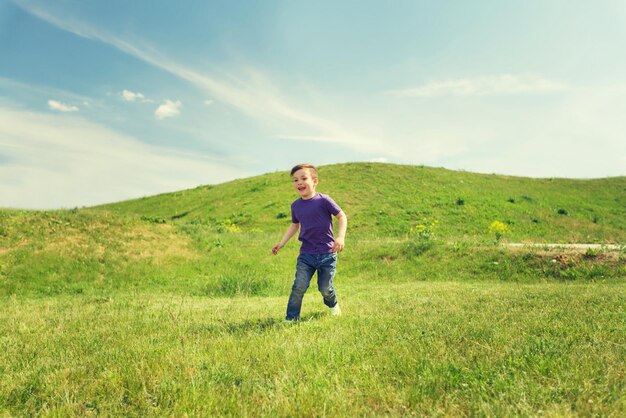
(153, 219)
(417, 246)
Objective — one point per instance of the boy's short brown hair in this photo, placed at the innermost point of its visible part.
(307, 166)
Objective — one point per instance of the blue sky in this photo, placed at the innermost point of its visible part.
(102, 101)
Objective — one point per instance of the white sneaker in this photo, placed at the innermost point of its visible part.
(335, 310)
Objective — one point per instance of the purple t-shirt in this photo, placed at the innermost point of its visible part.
(316, 223)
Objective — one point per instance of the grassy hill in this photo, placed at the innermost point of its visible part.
(386, 199)
(216, 240)
(173, 304)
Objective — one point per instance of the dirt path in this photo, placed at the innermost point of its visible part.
(571, 247)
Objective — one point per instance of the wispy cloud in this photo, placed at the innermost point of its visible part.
(168, 109)
(482, 86)
(61, 107)
(38, 93)
(55, 160)
(309, 138)
(255, 95)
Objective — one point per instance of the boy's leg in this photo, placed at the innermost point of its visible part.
(325, 275)
(304, 271)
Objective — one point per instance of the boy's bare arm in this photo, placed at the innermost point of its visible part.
(341, 232)
(293, 228)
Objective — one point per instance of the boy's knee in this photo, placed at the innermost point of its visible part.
(326, 291)
(299, 287)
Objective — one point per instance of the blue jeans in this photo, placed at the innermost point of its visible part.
(325, 265)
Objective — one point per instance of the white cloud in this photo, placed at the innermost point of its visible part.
(61, 107)
(208, 102)
(168, 109)
(37, 93)
(53, 161)
(490, 85)
(130, 96)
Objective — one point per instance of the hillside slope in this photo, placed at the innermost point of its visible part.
(405, 223)
(387, 199)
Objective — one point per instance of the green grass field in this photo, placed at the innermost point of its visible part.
(445, 348)
(173, 304)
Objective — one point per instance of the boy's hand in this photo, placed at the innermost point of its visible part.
(276, 248)
(338, 245)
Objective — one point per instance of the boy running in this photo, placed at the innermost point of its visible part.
(312, 215)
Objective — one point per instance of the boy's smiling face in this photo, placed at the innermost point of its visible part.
(305, 182)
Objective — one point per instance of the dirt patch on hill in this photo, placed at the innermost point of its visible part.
(568, 255)
(569, 248)
(572, 260)
(157, 243)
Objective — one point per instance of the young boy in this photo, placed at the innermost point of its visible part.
(312, 215)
